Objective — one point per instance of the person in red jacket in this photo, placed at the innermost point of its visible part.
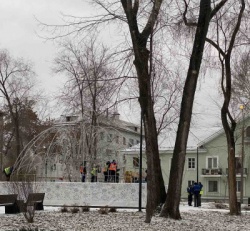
(83, 172)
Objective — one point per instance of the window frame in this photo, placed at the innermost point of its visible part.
(190, 182)
(131, 142)
(109, 137)
(217, 186)
(192, 163)
(117, 139)
(238, 186)
(136, 162)
(217, 162)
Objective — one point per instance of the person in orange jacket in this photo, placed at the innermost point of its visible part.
(112, 170)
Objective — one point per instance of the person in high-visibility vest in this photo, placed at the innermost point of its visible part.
(201, 192)
(7, 171)
(94, 174)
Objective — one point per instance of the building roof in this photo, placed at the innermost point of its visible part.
(166, 141)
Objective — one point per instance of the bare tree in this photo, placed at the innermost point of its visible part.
(241, 79)
(171, 206)
(92, 83)
(148, 11)
(224, 43)
(15, 86)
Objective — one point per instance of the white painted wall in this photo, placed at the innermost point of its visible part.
(92, 194)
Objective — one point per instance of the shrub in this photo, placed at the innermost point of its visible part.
(64, 209)
(74, 210)
(104, 210)
(28, 229)
(85, 208)
(112, 210)
(220, 205)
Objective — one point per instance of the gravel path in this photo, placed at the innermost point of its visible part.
(128, 221)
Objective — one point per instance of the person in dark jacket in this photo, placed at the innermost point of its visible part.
(83, 172)
(190, 194)
(196, 191)
(106, 171)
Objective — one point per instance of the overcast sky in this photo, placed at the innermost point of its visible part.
(19, 30)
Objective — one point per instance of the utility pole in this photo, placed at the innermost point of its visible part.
(140, 167)
(242, 155)
(197, 180)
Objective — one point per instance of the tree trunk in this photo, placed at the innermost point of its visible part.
(155, 183)
(156, 193)
(229, 130)
(171, 206)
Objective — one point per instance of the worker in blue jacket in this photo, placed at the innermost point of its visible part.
(196, 191)
(190, 194)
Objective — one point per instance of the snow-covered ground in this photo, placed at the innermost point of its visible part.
(207, 217)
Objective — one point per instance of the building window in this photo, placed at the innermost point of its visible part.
(238, 185)
(190, 182)
(238, 165)
(191, 163)
(101, 135)
(108, 152)
(124, 141)
(109, 137)
(212, 162)
(117, 139)
(137, 141)
(248, 132)
(131, 142)
(136, 129)
(136, 161)
(212, 186)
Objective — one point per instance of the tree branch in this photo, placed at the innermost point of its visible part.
(237, 27)
(217, 8)
(216, 46)
(185, 18)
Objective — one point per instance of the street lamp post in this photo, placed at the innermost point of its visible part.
(242, 155)
(197, 173)
(140, 167)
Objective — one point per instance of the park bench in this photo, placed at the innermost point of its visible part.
(10, 203)
(34, 199)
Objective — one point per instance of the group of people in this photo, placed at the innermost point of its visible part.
(93, 173)
(110, 172)
(195, 190)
